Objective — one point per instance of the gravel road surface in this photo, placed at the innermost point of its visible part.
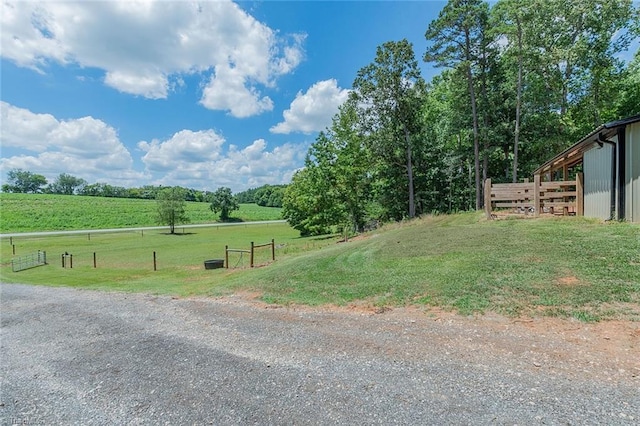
(95, 358)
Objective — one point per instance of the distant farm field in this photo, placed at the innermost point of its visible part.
(43, 212)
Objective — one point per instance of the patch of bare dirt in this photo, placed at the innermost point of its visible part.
(607, 350)
(569, 281)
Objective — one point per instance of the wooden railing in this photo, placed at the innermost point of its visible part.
(251, 252)
(555, 197)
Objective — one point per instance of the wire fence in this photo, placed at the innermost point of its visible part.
(29, 261)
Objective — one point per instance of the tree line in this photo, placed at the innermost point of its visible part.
(265, 196)
(520, 82)
(23, 181)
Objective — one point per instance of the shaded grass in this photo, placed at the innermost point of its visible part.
(46, 212)
(567, 267)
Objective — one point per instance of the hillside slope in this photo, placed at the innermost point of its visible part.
(560, 267)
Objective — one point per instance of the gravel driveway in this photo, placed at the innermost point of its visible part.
(84, 357)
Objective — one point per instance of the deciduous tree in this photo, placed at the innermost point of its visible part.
(387, 93)
(171, 207)
(23, 181)
(67, 184)
(307, 205)
(223, 201)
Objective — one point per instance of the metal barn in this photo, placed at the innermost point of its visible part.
(610, 160)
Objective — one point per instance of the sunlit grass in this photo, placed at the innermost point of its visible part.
(568, 267)
(563, 267)
(45, 212)
(124, 261)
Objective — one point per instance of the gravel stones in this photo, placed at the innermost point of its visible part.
(83, 357)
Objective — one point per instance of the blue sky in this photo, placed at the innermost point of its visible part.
(200, 95)
(176, 93)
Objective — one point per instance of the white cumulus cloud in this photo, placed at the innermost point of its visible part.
(84, 147)
(312, 111)
(201, 160)
(91, 149)
(185, 147)
(255, 165)
(228, 90)
(143, 45)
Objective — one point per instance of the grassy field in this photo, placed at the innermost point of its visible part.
(42, 212)
(567, 267)
(124, 260)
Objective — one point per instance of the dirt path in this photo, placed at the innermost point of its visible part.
(87, 357)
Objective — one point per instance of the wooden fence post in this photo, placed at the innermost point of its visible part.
(579, 194)
(536, 195)
(154, 261)
(226, 256)
(273, 250)
(487, 198)
(251, 256)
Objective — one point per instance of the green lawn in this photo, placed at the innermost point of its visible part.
(43, 212)
(567, 267)
(570, 267)
(124, 260)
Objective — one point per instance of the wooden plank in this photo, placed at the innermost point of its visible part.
(562, 204)
(494, 189)
(511, 191)
(536, 195)
(565, 176)
(487, 198)
(557, 184)
(580, 194)
(261, 245)
(512, 185)
(507, 189)
(559, 194)
(514, 204)
(514, 200)
(511, 196)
